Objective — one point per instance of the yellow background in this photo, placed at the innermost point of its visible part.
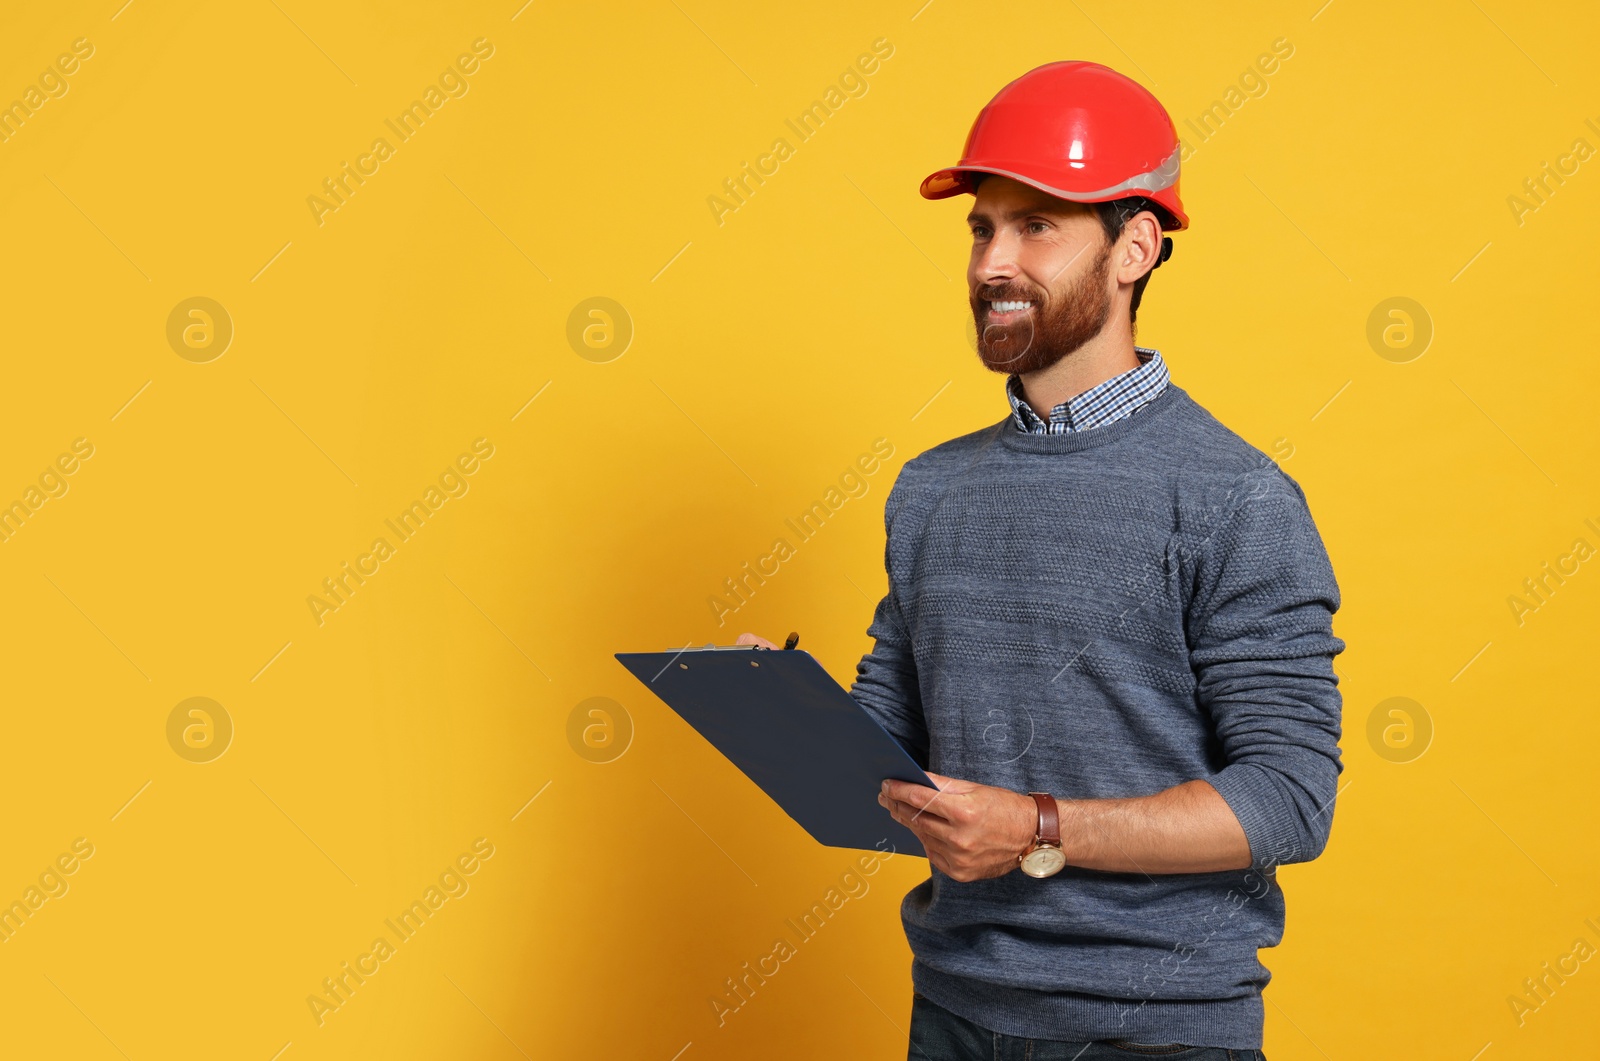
(768, 352)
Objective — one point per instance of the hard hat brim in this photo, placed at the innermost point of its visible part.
(955, 180)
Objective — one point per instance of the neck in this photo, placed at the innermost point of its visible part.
(1108, 354)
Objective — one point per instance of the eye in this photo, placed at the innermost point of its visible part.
(1037, 226)
(979, 231)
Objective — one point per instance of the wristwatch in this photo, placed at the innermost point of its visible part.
(1044, 856)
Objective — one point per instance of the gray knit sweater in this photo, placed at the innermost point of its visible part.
(1107, 614)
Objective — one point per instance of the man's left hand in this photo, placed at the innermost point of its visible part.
(970, 831)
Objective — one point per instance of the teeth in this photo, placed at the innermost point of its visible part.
(1008, 307)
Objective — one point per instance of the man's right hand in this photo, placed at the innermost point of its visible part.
(752, 639)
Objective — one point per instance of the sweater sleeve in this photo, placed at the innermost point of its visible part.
(1261, 644)
(886, 678)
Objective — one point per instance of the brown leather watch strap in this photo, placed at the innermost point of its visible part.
(1049, 819)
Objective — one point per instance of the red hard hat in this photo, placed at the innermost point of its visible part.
(1077, 130)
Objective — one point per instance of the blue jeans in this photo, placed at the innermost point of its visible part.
(939, 1035)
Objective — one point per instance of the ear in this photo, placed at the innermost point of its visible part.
(1139, 247)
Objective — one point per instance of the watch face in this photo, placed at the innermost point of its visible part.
(1043, 861)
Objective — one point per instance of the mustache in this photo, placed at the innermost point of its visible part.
(1006, 293)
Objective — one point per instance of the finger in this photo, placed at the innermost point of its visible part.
(901, 812)
(910, 810)
(752, 639)
(930, 828)
(954, 785)
(949, 806)
(919, 796)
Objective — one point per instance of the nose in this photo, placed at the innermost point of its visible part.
(995, 262)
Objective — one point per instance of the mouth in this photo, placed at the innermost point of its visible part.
(1005, 312)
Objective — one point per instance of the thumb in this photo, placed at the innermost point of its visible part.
(752, 639)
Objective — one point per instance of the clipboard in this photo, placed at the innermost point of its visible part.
(794, 731)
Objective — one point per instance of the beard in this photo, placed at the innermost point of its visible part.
(1054, 328)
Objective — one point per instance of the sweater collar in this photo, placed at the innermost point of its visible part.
(1171, 397)
(1105, 403)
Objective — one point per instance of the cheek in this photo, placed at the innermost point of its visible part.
(1060, 264)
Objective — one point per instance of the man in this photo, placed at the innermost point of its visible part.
(1108, 619)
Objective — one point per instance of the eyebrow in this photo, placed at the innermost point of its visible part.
(1035, 208)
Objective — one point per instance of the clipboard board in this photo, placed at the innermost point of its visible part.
(795, 732)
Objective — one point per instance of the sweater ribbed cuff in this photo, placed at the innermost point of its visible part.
(1267, 818)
